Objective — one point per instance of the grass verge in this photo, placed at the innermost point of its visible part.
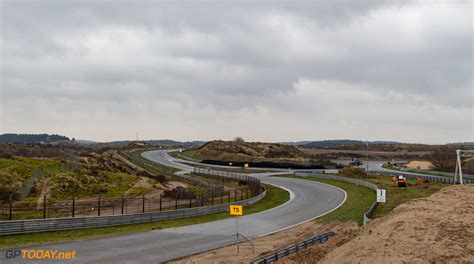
(193, 154)
(275, 197)
(398, 195)
(359, 200)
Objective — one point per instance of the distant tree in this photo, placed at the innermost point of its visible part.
(443, 158)
(239, 140)
(32, 138)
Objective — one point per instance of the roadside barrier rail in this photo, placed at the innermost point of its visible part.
(55, 224)
(226, 174)
(252, 182)
(293, 249)
(411, 175)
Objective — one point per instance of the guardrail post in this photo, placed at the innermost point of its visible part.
(122, 203)
(160, 202)
(190, 202)
(222, 198)
(176, 202)
(44, 206)
(212, 197)
(98, 207)
(73, 204)
(202, 200)
(143, 203)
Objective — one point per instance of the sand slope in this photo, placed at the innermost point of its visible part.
(437, 229)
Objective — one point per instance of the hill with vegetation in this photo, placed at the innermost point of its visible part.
(244, 151)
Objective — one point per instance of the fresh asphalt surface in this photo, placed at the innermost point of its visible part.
(308, 200)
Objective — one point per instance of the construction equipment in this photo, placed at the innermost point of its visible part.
(356, 162)
(401, 181)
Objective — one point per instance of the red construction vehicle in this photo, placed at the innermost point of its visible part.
(401, 181)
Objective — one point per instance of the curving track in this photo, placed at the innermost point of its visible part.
(308, 200)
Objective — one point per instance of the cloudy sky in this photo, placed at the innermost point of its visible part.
(105, 70)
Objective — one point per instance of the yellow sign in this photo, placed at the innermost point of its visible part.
(236, 210)
(246, 165)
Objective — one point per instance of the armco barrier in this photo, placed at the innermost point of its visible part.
(54, 224)
(293, 249)
(411, 175)
(226, 174)
(368, 214)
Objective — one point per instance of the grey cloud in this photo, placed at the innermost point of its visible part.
(233, 58)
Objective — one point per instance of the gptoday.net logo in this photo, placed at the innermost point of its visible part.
(35, 254)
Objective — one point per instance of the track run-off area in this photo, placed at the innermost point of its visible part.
(308, 200)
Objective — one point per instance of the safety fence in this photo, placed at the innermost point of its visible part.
(54, 224)
(425, 177)
(252, 182)
(368, 215)
(179, 198)
(293, 249)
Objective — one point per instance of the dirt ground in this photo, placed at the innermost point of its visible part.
(419, 165)
(436, 229)
(267, 244)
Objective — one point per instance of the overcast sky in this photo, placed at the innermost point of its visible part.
(106, 70)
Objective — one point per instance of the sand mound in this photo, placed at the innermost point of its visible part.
(437, 229)
(271, 243)
(419, 165)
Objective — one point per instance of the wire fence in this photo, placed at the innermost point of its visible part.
(68, 223)
(126, 204)
(252, 182)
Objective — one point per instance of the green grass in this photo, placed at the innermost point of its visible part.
(275, 197)
(138, 191)
(398, 195)
(359, 200)
(21, 168)
(395, 195)
(193, 153)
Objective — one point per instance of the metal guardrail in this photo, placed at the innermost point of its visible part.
(368, 214)
(293, 249)
(226, 174)
(54, 224)
(411, 175)
(250, 181)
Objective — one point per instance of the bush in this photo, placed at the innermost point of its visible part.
(352, 172)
